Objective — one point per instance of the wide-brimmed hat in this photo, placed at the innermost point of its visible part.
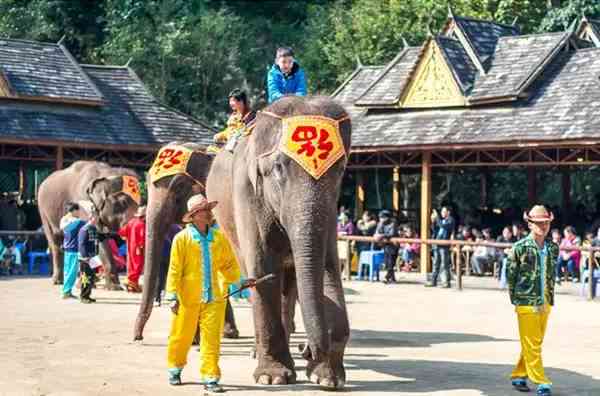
(140, 212)
(195, 204)
(538, 214)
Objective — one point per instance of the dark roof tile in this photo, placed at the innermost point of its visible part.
(459, 62)
(44, 70)
(388, 86)
(484, 35)
(515, 59)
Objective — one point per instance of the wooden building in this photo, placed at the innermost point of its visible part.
(478, 95)
(54, 111)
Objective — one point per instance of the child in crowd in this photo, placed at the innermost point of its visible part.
(409, 250)
(285, 77)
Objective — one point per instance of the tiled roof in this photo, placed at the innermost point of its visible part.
(565, 105)
(44, 70)
(355, 85)
(388, 86)
(515, 60)
(484, 35)
(461, 65)
(129, 116)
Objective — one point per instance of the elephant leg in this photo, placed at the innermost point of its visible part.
(336, 317)
(288, 303)
(111, 277)
(230, 329)
(57, 263)
(275, 363)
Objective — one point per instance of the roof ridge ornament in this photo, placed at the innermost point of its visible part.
(404, 42)
(450, 13)
(514, 22)
(128, 62)
(572, 26)
(358, 61)
(62, 40)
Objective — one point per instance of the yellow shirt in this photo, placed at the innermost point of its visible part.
(191, 263)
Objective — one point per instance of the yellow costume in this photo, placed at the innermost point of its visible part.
(532, 328)
(201, 268)
(235, 123)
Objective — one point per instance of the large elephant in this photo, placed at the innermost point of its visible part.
(92, 181)
(167, 198)
(281, 219)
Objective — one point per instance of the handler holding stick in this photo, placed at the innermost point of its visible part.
(201, 268)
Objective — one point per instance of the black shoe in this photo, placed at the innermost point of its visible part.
(430, 284)
(87, 300)
(520, 385)
(448, 286)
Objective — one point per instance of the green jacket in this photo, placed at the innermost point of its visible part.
(524, 272)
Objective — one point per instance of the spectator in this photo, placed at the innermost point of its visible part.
(585, 256)
(441, 258)
(386, 229)
(483, 256)
(568, 259)
(409, 250)
(518, 230)
(506, 237)
(134, 233)
(556, 237)
(366, 227)
(344, 225)
(285, 76)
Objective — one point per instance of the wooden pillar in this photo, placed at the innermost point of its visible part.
(484, 188)
(425, 211)
(60, 158)
(21, 179)
(566, 190)
(531, 186)
(360, 195)
(396, 192)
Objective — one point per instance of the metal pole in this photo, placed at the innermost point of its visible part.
(348, 269)
(591, 276)
(459, 280)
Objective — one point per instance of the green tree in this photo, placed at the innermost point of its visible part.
(559, 18)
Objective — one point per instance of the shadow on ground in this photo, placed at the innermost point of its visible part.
(378, 339)
(423, 376)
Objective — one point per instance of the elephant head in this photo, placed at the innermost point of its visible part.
(300, 200)
(114, 200)
(167, 198)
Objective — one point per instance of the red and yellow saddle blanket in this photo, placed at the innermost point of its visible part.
(171, 160)
(314, 142)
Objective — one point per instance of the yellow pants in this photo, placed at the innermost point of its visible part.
(532, 328)
(210, 318)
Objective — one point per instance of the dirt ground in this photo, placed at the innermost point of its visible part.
(406, 340)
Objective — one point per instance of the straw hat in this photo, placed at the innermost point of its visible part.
(195, 204)
(538, 214)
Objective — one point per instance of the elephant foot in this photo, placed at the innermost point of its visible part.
(274, 373)
(230, 331)
(329, 372)
(321, 373)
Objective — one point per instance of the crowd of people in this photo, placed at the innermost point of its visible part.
(482, 260)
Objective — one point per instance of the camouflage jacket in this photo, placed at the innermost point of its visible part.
(524, 273)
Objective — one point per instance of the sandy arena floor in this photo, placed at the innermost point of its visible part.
(406, 340)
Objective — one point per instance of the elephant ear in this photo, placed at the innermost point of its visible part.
(254, 174)
(99, 190)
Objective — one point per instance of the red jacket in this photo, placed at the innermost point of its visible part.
(134, 233)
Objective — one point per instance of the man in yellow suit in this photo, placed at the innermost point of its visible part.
(530, 273)
(201, 268)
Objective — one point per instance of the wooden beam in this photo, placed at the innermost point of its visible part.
(566, 190)
(531, 186)
(359, 195)
(425, 211)
(396, 191)
(60, 158)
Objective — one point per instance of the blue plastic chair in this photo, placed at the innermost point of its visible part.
(371, 260)
(44, 258)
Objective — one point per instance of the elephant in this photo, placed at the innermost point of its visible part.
(281, 219)
(92, 181)
(167, 199)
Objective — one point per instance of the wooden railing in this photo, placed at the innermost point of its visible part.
(458, 243)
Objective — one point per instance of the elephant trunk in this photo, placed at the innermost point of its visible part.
(157, 223)
(308, 235)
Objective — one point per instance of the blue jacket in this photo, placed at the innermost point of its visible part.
(71, 231)
(278, 84)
